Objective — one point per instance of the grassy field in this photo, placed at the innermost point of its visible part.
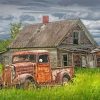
(85, 86)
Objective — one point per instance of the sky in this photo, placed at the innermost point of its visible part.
(31, 11)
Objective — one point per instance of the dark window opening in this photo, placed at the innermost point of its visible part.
(75, 37)
(24, 58)
(43, 58)
(98, 59)
(65, 60)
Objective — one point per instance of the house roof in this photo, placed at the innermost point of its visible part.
(96, 50)
(44, 35)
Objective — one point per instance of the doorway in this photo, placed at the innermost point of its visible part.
(84, 61)
(76, 60)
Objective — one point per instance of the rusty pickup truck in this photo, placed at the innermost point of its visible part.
(33, 67)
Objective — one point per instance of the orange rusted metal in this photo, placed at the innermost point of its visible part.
(43, 73)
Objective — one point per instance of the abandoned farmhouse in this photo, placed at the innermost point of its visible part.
(68, 42)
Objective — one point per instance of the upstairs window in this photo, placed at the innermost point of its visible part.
(75, 37)
(65, 60)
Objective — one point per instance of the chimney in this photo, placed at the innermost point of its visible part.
(45, 19)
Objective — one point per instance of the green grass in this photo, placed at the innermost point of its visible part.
(1, 68)
(85, 86)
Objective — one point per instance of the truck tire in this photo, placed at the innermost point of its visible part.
(1, 86)
(28, 84)
(65, 79)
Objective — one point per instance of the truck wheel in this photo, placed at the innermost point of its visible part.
(1, 86)
(29, 84)
(65, 79)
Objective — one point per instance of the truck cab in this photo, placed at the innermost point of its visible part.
(34, 67)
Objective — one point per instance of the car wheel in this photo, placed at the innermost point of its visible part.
(65, 80)
(28, 84)
(1, 86)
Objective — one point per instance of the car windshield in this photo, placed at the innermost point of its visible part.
(24, 58)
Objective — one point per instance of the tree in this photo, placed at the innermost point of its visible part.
(15, 29)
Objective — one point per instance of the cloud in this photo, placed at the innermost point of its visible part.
(92, 24)
(26, 18)
(8, 17)
(31, 11)
(79, 2)
(4, 36)
(97, 39)
(52, 2)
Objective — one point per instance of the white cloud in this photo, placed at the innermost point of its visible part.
(92, 24)
(13, 13)
(97, 40)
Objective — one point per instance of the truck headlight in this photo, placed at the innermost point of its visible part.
(13, 71)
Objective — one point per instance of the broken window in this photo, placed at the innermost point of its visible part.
(43, 58)
(24, 58)
(75, 37)
(65, 60)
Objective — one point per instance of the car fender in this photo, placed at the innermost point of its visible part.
(21, 78)
(61, 74)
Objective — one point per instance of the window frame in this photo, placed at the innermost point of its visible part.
(78, 37)
(63, 59)
(28, 55)
(41, 55)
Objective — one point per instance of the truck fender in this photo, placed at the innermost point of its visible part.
(61, 75)
(21, 78)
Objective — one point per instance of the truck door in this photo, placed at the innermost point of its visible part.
(43, 69)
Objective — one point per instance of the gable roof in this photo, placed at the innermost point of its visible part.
(87, 33)
(44, 35)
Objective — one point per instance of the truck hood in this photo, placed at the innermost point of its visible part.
(24, 68)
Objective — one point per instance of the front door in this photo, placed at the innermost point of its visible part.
(84, 63)
(43, 69)
(76, 60)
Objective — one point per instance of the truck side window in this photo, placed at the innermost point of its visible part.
(43, 58)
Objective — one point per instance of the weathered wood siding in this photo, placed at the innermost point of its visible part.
(60, 60)
(83, 39)
(97, 57)
(5, 58)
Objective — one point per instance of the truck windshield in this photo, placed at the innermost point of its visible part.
(24, 58)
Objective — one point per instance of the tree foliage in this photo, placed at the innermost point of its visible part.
(4, 44)
(15, 29)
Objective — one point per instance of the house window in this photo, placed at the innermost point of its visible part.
(65, 60)
(75, 37)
